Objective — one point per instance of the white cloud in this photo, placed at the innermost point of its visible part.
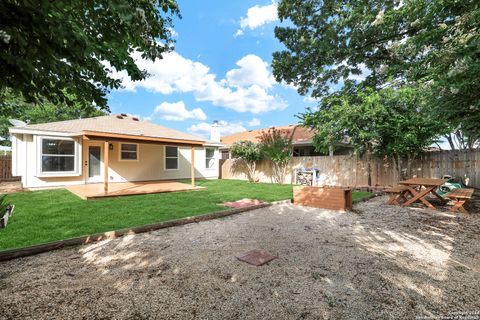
(177, 111)
(245, 89)
(253, 70)
(254, 122)
(258, 16)
(226, 128)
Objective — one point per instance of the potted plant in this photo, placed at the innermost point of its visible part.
(6, 211)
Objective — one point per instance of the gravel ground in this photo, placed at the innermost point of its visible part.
(378, 262)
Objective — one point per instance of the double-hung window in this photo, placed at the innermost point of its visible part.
(210, 158)
(57, 156)
(129, 152)
(171, 158)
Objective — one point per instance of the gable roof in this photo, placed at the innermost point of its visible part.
(299, 135)
(112, 124)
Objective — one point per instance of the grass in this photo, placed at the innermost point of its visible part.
(45, 216)
(359, 195)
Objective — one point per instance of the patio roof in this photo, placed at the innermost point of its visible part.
(103, 136)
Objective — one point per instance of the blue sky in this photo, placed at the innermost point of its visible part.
(220, 70)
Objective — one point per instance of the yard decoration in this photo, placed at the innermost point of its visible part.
(277, 147)
(6, 211)
(248, 154)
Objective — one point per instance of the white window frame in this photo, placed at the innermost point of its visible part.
(128, 160)
(214, 158)
(165, 158)
(76, 157)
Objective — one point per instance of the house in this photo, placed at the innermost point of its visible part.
(302, 141)
(109, 149)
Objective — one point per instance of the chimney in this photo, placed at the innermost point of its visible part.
(215, 132)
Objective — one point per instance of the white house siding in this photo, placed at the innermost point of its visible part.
(150, 165)
(28, 159)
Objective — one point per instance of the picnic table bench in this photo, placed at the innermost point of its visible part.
(397, 194)
(420, 187)
(460, 197)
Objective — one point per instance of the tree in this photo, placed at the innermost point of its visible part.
(249, 154)
(389, 122)
(390, 43)
(52, 49)
(277, 148)
(14, 106)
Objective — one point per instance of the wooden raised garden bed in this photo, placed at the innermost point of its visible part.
(334, 198)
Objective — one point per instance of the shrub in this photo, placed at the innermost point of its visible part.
(248, 153)
(277, 148)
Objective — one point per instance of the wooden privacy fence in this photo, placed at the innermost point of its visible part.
(351, 171)
(6, 169)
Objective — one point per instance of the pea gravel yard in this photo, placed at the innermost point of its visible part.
(377, 262)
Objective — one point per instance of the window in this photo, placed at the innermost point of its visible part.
(171, 158)
(129, 151)
(58, 155)
(209, 158)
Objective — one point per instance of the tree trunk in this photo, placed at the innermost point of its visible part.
(369, 169)
(409, 166)
(399, 168)
(251, 166)
(450, 141)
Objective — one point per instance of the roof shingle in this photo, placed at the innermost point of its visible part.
(297, 133)
(114, 124)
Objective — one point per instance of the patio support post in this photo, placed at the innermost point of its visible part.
(193, 166)
(105, 164)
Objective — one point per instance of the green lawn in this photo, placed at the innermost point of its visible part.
(44, 216)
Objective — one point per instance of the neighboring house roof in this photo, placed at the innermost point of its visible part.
(112, 124)
(300, 135)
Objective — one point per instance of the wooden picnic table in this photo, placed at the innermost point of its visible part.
(420, 187)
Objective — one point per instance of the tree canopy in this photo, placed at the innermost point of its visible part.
(349, 44)
(388, 123)
(14, 106)
(52, 49)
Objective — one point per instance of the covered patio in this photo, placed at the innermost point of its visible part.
(97, 190)
(106, 188)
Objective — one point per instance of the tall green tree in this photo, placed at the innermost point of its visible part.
(52, 49)
(387, 123)
(14, 106)
(432, 43)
